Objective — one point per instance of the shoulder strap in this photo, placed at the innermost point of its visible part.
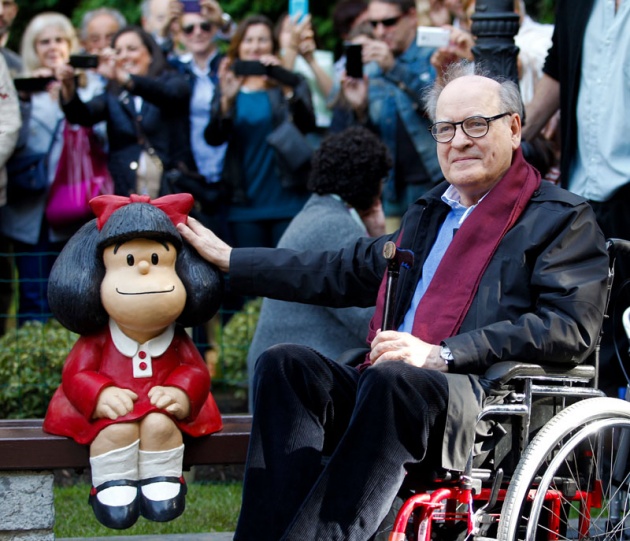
(54, 134)
(141, 136)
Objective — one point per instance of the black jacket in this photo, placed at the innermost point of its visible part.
(163, 118)
(219, 131)
(542, 297)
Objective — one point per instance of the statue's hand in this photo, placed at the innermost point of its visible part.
(171, 399)
(114, 402)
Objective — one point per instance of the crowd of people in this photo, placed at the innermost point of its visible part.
(177, 107)
(175, 112)
(302, 173)
(233, 112)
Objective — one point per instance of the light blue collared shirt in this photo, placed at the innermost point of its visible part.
(454, 220)
(602, 161)
(209, 159)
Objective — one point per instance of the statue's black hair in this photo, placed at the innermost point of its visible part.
(74, 289)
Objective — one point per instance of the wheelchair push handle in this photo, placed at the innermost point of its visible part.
(618, 246)
(396, 257)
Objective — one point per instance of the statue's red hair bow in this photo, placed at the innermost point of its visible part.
(175, 206)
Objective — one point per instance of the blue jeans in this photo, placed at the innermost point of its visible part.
(329, 445)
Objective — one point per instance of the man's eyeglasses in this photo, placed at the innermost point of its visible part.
(386, 22)
(473, 126)
(204, 26)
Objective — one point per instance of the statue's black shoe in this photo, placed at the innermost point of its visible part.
(163, 510)
(118, 517)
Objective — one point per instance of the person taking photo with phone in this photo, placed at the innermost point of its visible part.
(47, 43)
(387, 98)
(301, 54)
(145, 106)
(199, 25)
(263, 122)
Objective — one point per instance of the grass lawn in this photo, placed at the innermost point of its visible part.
(210, 507)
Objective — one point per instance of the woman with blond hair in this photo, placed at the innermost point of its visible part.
(47, 42)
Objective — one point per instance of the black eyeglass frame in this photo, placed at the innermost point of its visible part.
(205, 26)
(488, 119)
(389, 22)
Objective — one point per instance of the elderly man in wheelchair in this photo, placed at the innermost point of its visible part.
(490, 266)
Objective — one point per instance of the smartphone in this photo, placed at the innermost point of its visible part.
(283, 76)
(249, 67)
(83, 60)
(191, 6)
(32, 84)
(354, 60)
(298, 7)
(431, 36)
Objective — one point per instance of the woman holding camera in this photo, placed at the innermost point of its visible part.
(145, 106)
(251, 105)
(47, 42)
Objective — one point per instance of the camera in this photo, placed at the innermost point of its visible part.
(430, 36)
(248, 67)
(253, 67)
(32, 84)
(84, 61)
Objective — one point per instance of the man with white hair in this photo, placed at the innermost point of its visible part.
(98, 27)
(506, 268)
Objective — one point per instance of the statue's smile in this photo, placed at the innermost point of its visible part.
(145, 292)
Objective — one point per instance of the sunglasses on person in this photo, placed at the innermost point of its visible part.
(386, 22)
(204, 26)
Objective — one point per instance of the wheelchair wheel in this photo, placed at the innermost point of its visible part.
(572, 481)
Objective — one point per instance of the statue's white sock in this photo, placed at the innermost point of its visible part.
(116, 465)
(158, 464)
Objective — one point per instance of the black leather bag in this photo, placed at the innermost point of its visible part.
(27, 174)
(291, 146)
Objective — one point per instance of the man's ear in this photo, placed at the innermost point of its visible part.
(515, 128)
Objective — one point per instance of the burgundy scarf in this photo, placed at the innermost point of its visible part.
(445, 304)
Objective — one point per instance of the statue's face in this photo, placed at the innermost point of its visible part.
(141, 291)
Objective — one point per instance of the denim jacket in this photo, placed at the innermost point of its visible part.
(398, 92)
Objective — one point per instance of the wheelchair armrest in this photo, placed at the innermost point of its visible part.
(501, 373)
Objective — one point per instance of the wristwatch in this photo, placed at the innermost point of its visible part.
(445, 353)
(226, 22)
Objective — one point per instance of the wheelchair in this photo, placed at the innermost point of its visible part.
(557, 470)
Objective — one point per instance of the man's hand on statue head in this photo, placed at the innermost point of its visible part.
(209, 246)
(402, 346)
(170, 399)
(114, 402)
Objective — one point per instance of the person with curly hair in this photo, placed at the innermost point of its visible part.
(346, 180)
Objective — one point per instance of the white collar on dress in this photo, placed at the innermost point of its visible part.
(129, 347)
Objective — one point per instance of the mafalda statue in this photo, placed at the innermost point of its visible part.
(134, 381)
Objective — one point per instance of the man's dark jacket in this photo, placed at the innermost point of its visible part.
(541, 298)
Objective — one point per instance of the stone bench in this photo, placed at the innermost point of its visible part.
(28, 455)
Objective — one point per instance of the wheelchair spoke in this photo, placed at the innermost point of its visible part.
(572, 481)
